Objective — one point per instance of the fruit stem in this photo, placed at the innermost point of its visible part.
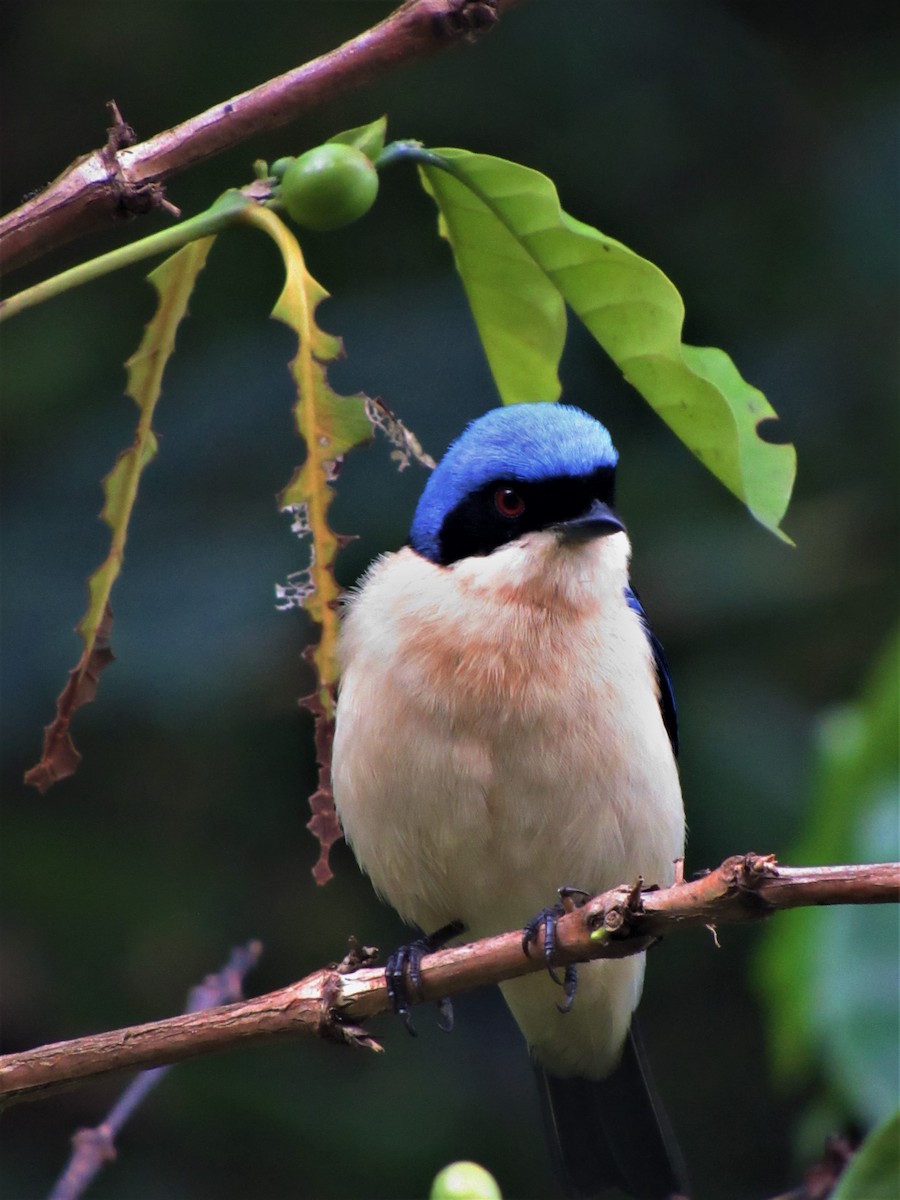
(209, 222)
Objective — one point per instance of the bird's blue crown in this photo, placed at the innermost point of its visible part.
(524, 442)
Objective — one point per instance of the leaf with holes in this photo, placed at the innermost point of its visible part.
(521, 258)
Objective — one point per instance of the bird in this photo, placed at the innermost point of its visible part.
(505, 726)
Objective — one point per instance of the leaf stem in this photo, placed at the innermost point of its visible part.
(409, 150)
(214, 219)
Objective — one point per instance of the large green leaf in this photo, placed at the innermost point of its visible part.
(520, 256)
(519, 311)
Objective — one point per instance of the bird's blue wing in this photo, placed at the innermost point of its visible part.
(666, 691)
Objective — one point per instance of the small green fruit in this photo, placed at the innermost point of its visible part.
(464, 1181)
(280, 165)
(329, 186)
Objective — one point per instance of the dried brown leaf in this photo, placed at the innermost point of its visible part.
(59, 758)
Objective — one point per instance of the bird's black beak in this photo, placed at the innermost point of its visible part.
(598, 521)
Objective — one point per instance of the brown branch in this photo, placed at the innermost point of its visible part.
(124, 179)
(330, 1003)
(93, 1148)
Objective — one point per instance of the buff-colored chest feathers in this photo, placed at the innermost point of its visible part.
(498, 728)
(495, 639)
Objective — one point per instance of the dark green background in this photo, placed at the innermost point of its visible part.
(747, 148)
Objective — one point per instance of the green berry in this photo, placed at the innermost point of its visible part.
(280, 165)
(329, 186)
(464, 1181)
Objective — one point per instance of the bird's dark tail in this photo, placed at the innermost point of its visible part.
(612, 1133)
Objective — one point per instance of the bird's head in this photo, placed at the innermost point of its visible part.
(517, 470)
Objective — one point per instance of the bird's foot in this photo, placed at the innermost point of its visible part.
(547, 919)
(403, 975)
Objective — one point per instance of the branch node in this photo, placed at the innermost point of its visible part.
(135, 200)
(97, 1142)
(129, 199)
(633, 903)
(120, 134)
(334, 1026)
(466, 19)
(614, 920)
(357, 956)
(754, 868)
(355, 1036)
(745, 875)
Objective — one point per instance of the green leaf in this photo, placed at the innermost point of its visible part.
(520, 256)
(174, 281)
(520, 314)
(829, 976)
(367, 138)
(874, 1171)
(329, 424)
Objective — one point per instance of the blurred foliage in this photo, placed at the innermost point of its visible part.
(830, 976)
(747, 148)
(874, 1172)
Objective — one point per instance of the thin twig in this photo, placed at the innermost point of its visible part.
(822, 1177)
(330, 1003)
(122, 179)
(93, 1148)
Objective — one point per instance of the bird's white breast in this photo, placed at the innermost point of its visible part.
(499, 735)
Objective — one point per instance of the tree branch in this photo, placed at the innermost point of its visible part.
(123, 179)
(330, 1003)
(93, 1148)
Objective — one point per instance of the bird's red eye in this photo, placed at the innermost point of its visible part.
(508, 502)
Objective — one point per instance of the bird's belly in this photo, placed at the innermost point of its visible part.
(492, 746)
(479, 814)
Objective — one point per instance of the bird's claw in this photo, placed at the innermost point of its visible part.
(547, 920)
(445, 1014)
(570, 987)
(403, 975)
(571, 898)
